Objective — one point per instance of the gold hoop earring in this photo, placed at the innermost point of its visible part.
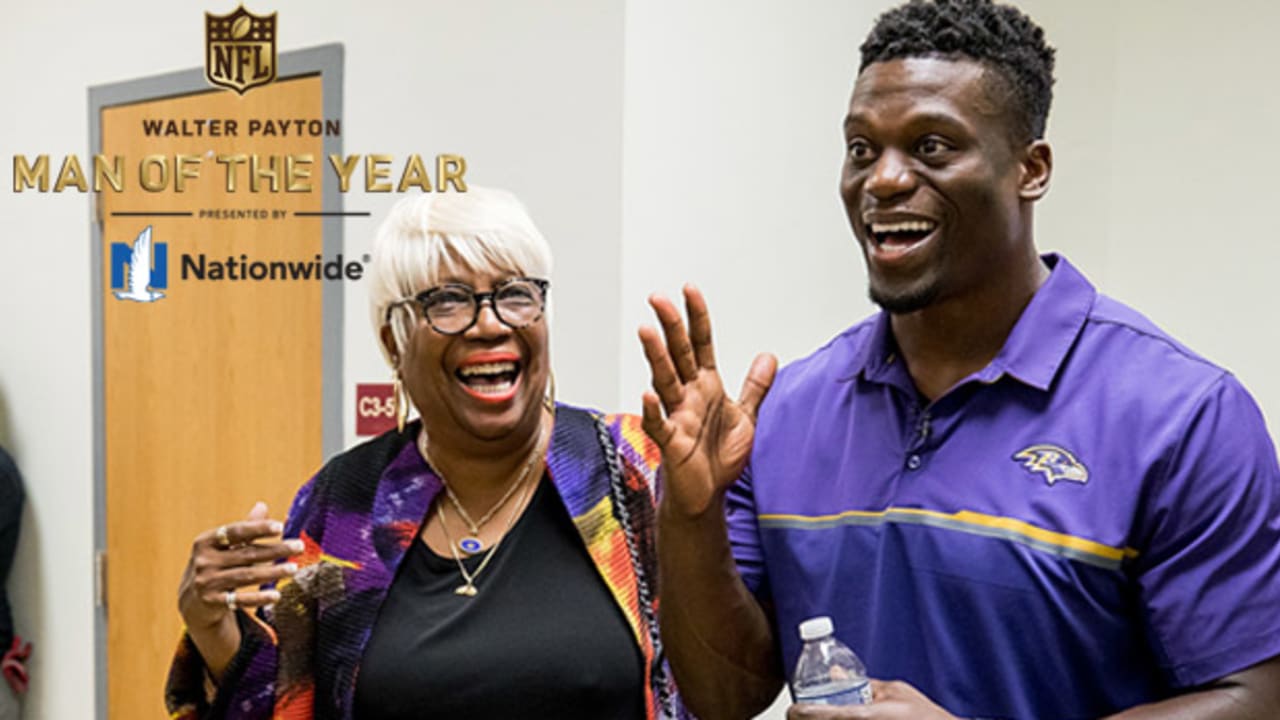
(549, 400)
(401, 406)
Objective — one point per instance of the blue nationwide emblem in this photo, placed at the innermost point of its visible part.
(1053, 462)
(239, 49)
(144, 275)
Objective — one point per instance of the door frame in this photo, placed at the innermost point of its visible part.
(325, 60)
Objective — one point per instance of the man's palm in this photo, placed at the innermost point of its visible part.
(705, 437)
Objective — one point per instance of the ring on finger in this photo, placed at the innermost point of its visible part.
(230, 600)
(224, 541)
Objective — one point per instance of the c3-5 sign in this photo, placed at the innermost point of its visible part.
(375, 408)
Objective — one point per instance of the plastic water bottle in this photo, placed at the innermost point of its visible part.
(828, 673)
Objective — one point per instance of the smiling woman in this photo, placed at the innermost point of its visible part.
(491, 559)
(431, 257)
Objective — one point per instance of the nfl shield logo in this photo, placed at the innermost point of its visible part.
(240, 49)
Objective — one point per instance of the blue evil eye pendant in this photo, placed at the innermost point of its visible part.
(470, 545)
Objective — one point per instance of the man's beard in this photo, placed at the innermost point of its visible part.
(901, 303)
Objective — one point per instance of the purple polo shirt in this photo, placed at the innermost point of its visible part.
(1090, 522)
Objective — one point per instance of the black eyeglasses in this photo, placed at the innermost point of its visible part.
(453, 308)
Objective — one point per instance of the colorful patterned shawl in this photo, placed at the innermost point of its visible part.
(358, 516)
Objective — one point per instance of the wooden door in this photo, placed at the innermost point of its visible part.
(211, 394)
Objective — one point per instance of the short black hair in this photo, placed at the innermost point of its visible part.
(1000, 36)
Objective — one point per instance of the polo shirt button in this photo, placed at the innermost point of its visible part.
(913, 462)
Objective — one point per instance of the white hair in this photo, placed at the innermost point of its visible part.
(426, 238)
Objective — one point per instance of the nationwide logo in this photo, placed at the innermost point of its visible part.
(144, 275)
(141, 270)
(1053, 462)
(239, 49)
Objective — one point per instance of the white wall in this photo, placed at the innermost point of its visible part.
(656, 142)
(732, 152)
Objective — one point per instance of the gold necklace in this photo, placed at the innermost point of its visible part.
(468, 588)
(472, 544)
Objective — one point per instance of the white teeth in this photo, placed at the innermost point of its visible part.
(497, 389)
(487, 369)
(494, 378)
(904, 226)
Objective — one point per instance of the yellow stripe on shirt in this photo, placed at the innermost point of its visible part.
(966, 521)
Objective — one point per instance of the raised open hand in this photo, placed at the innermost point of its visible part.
(705, 437)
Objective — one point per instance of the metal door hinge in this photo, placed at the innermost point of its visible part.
(100, 578)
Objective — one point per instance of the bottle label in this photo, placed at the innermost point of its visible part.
(836, 693)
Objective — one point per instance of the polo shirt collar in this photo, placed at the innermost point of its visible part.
(1035, 349)
(875, 359)
(1047, 329)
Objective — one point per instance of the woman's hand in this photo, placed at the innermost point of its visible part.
(223, 560)
(705, 437)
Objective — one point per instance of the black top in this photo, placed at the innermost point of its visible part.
(543, 638)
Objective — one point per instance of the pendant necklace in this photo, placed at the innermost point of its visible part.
(472, 544)
(468, 588)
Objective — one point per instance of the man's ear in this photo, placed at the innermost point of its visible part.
(1037, 168)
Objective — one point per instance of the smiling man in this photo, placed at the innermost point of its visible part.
(1015, 496)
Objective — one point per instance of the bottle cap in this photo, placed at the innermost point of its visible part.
(816, 627)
